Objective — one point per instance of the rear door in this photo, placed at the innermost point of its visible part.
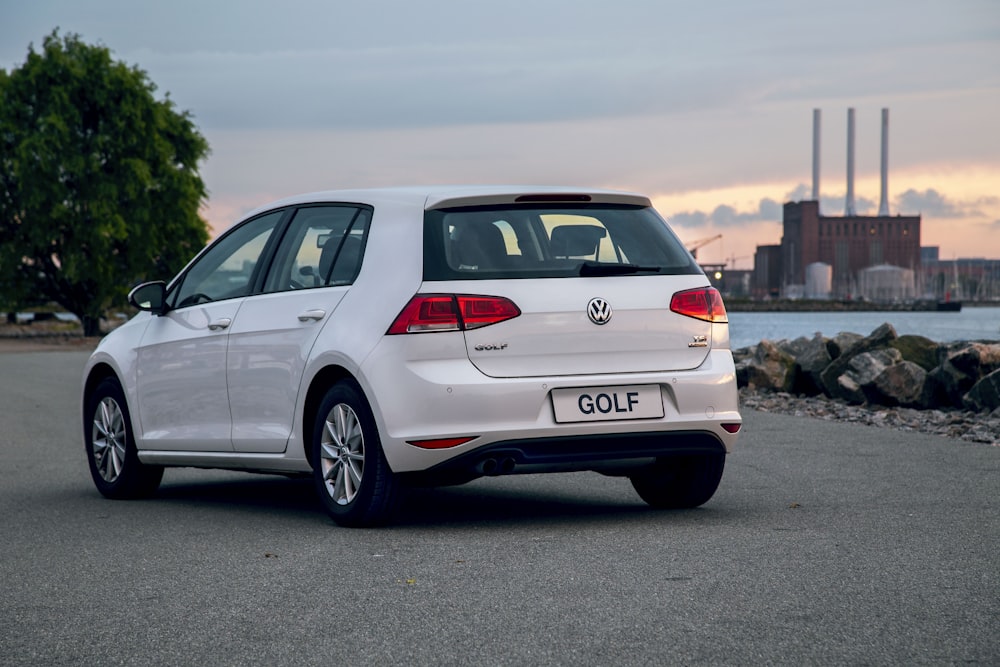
(271, 338)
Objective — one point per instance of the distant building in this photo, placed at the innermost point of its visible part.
(848, 244)
(957, 279)
(819, 281)
(767, 272)
(886, 283)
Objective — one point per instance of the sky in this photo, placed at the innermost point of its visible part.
(705, 107)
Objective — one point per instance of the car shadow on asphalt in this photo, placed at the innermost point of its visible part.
(272, 493)
(484, 502)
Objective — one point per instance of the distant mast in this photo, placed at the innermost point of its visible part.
(883, 207)
(816, 133)
(849, 210)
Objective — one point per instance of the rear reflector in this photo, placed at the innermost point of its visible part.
(452, 312)
(703, 303)
(731, 428)
(441, 443)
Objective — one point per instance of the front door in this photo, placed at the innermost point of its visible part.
(181, 361)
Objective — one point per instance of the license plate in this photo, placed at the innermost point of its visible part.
(584, 404)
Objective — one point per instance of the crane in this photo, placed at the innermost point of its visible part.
(693, 247)
(732, 259)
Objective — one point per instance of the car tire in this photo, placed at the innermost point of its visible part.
(353, 478)
(111, 453)
(680, 482)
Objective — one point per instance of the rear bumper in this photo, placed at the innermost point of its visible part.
(443, 396)
(620, 454)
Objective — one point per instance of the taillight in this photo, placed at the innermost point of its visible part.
(452, 312)
(481, 311)
(703, 303)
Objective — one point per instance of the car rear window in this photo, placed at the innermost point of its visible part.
(550, 241)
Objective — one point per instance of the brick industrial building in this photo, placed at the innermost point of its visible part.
(846, 250)
(848, 244)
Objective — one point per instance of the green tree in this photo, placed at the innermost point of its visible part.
(99, 182)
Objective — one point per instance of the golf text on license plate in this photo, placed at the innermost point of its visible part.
(641, 401)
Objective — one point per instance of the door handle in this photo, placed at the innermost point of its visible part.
(219, 324)
(314, 315)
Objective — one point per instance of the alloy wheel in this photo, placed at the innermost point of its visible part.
(108, 438)
(342, 454)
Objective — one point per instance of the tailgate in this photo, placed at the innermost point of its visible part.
(556, 335)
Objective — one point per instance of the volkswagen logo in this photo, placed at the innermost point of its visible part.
(599, 311)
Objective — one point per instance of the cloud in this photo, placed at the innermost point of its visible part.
(832, 204)
(933, 204)
(689, 219)
(724, 215)
(801, 191)
(929, 202)
(768, 210)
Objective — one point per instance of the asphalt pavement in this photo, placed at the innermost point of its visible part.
(826, 543)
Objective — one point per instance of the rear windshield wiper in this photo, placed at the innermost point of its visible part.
(613, 269)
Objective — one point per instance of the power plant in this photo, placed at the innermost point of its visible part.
(850, 256)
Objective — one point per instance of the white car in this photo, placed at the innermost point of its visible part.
(381, 338)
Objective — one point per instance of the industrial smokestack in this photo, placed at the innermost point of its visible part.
(883, 207)
(849, 202)
(816, 125)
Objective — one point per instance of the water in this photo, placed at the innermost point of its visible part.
(969, 324)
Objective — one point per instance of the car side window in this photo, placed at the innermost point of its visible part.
(322, 247)
(226, 270)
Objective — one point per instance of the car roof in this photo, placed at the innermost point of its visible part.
(448, 196)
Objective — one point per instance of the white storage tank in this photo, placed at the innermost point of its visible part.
(886, 283)
(819, 280)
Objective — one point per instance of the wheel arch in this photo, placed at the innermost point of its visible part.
(321, 382)
(100, 372)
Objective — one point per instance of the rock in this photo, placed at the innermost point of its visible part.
(809, 365)
(858, 380)
(965, 364)
(742, 357)
(842, 342)
(879, 338)
(985, 394)
(741, 353)
(899, 384)
(793, 347)
(975, 359)
(920, 350)
(741, 372)
(770, 368)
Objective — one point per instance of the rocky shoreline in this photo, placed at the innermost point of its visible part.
(962, 425)
(904, 382)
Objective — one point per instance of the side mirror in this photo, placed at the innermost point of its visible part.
(150, 296)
